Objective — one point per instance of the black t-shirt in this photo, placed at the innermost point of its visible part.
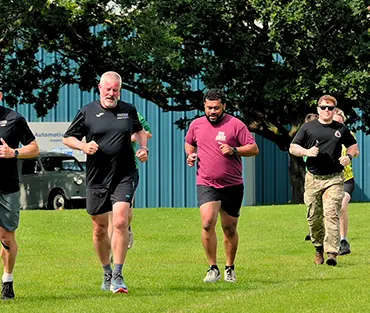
(331, 137)
(14, 130)
(111, 129)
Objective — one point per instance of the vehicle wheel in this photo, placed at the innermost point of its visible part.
(57, 201)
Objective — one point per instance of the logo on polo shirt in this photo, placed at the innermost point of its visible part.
(221, 136)
(3, 123)
(100, 114)
(122, 116)
(337, 134)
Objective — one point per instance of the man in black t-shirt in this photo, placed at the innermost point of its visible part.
(13, 131)
(111, 173)
(321, 141)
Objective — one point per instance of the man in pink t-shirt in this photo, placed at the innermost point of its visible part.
(218, 141)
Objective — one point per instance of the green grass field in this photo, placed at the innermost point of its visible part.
(57, 269)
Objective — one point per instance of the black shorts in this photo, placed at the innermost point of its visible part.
(349, 186)
(231, 197)
(100, 200)
(9, 210)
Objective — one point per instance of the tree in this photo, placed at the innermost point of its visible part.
(273, 58)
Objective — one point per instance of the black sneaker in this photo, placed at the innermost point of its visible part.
(332, 259)
(345, 248)
(7, 292)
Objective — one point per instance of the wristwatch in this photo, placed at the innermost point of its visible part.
(145, 148)
(350, 156)
(16, 153)
(235, 151)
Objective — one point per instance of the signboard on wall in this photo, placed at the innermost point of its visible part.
(49, 137)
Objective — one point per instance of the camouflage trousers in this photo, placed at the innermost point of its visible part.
(323, 197)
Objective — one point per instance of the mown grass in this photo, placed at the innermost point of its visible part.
(57, 269)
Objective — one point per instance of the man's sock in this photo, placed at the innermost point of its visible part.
(107, 269)
(7, 277)
(214, 266)
(117, 270)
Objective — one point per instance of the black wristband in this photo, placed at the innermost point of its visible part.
(235, 151)
(350, 156)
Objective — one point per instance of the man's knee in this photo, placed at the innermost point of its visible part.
(120, 224)
(7, 239)
(208, 225)
(100, 230)
(229, 230)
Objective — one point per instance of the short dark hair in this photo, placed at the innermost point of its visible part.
(214, 94)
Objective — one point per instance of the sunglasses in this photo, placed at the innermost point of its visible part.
(324, 107)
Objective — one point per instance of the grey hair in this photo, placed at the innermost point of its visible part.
(111, 75)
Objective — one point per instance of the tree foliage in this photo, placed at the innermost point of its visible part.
(274, 58)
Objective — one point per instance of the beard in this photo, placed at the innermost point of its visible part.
(110, 103)
(217, 120)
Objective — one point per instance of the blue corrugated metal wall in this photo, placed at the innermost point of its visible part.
(272, 177)
(166, 181)
(361, 169)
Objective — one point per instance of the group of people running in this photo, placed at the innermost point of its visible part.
(215, 144)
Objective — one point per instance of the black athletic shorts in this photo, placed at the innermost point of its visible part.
(349, 186)
(9, 210)
(100, 200)
(231, 197)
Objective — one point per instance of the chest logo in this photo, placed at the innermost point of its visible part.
(122, 116)
(3, 123)
(99, 114)
(221, 136)
(337, 134)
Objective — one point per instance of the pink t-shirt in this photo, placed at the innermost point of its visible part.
(214, 168)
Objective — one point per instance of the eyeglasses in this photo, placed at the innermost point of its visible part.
(329, 107)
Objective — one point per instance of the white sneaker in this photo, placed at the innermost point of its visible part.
(212, 276)
(230, 276)
(130, 238)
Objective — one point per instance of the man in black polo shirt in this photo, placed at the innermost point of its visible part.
(13, 131)
(321, 141)
(111, 174)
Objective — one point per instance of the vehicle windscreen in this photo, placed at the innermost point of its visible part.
(52, 164)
